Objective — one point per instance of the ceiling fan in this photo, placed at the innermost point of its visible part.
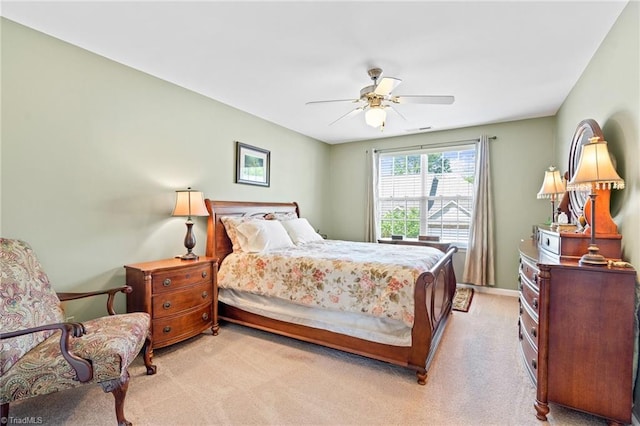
(377, 97)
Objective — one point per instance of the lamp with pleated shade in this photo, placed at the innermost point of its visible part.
(552, 186)
(189, 202)
(595, 171)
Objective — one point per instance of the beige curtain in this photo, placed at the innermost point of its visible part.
(479, 264)
(371, 232)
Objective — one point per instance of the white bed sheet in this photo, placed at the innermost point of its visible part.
(375, 329)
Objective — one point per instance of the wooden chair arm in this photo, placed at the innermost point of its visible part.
(111, 292)
(82, 367)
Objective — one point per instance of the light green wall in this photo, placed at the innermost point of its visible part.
(519, 156)
(92, 152)
(609, 92)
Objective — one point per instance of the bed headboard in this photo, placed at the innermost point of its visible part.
(218, 242)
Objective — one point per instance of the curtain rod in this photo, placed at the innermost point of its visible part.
(437, 145)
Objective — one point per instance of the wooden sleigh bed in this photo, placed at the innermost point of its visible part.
(432, 299)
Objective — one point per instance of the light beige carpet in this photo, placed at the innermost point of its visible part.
(247, 377)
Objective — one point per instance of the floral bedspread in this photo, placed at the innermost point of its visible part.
(375, 279)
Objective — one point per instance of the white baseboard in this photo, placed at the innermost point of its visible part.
(492, 290)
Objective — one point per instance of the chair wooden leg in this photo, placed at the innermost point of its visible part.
(4, 414)
(120, 393)
(148, 357)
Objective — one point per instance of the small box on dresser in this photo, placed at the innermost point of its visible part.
(577, 333)
(180, 295)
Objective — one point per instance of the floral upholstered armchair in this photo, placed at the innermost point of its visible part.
(41, 353)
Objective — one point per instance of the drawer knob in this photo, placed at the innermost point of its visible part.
(204, 274)
(534, 332)
(205, 294)
(166, 305)
(534, 364)
(205, 316)
(535, 277)
(166, 282)
(167, 329)
(535, 303)
(547, 241)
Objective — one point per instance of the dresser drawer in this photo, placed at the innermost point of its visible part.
(529, 324)
(171, 280)
(170, 303)
(174, 329)
(530, 271)
(549, 241)
(529, 354)
(530, 295)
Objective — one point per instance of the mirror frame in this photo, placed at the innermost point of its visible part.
(586, 129)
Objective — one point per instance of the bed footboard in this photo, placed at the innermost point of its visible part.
(433, 298)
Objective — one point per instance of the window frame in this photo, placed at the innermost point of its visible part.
(464, 203)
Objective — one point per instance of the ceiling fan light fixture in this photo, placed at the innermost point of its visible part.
(375, 116)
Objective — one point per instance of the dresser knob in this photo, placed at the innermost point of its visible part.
(535, 278)
(547, 241)
(204, 274)
(534, 332)
(166, 282)
(205, 294)
(166, 305)
(205, 316)
(167, 329)
(534, 364)
(535, 303)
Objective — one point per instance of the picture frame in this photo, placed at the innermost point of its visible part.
(253, 165)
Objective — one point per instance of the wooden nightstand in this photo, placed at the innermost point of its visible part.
(180, 295)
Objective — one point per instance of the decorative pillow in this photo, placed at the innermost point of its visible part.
(262, 235)
(301, 231)
(231, 224)
(281, 216)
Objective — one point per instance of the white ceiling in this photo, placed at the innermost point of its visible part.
(502, 61)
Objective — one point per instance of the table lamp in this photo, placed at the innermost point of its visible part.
(595, 171)
(552, 186)
(189, 203)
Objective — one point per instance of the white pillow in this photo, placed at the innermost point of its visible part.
(301, 231)
(258, 236)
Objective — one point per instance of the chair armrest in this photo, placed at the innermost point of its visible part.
(111, 292)
(82, 367)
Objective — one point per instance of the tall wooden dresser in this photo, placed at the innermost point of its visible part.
(576, 331)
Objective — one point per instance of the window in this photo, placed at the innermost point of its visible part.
(427, 192)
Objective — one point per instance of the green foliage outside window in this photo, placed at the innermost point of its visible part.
(401, 222)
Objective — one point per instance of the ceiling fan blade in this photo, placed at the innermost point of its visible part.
(333, 100)
(351, 113)
(422, 99)
(386, 86)
(397, 112)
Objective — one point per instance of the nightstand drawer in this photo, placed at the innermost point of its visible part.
(171, 280)
(169, 303)
(174, 329)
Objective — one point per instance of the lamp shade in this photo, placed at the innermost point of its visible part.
(595, 169)
(189, 203)
(375, 116)
(552, 185)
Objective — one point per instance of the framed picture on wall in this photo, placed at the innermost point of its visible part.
(253, 165)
